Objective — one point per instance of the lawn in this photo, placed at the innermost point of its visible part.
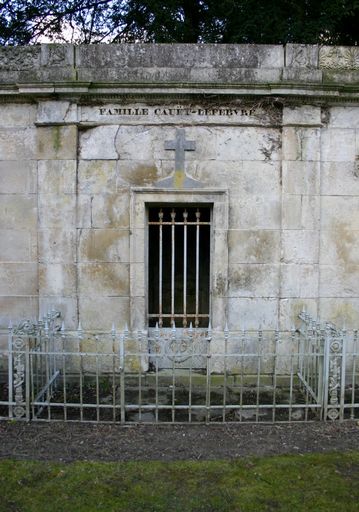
(312, 482)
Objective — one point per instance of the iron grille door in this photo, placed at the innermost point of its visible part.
(179, 266)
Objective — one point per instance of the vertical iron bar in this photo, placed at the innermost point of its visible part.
(113, 335)
(64, 369)
(198, 216)
(185, 217)
(160, 273)
(190, 335)
(276, 342)
(342, 373)
(259, 351)
(355, 342)
(208, 376)
(27, 379)
(173, 217)
(226, 335)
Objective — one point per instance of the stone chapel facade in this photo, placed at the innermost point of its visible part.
(188, 183)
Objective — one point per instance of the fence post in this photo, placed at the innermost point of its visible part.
(208, 374)
(10, 370)
(122, 376)
(335, 375)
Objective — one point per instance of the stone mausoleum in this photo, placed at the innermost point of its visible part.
(146, 184)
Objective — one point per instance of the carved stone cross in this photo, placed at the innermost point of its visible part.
(180, 145)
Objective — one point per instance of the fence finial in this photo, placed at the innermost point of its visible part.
(63, 326)
(10, 325)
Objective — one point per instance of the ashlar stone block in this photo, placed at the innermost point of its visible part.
(58, 279)
(301, 177)
(60, 112)
(110, 245)
(300, 212)
(251, 314)
(57, 142)
(104, 279)
(338, 145)
(110, 210)
(57, 210)
(340, 210)
(305, 115)
(18, 177)
(340, 178)
(97, 176)
(254, 212)
(57, 245)
(254, 246)
(340, 246)
(98, 143)
(301, 143)
(17, 143)
(18, 210)
(300, 246)
(57, 176)
(343, 312)
(99, 313)
(17, 115)
(299, 281)
(253, 280)
(18, 279)
(18, 245)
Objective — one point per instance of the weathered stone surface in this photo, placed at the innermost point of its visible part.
(343, 117)
(101, 312)
(57, 210)
(254, 246)
(301, 177)
(57, 143)
(17, 115)
(17, 307)
(338, 210)
(180, 55)
(57, 112)
(301, 143)
(289, 310)
(339, 57)
(254, 212)
(305, 115)
(57, 279)
(104, 279)
(301, 55)
(18, 177)
(338, 145)
(339, 281)
(340, 178)
(97, 176)
(18, 245)
(252, 313)
(299, 281)
(57, 245)
(300, 246)
(300, 211)
(18, 279)
(18, 211)
(17, 143)
(110, 210)
(253, 280)
(98, 143)
(57, 176)
(248, 144)
(344, 312)
(340, 246)
(108, 245)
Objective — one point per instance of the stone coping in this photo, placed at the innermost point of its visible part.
(290, 70)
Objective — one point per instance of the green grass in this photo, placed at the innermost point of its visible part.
(312, 482)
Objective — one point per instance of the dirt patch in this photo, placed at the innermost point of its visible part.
(75, 441)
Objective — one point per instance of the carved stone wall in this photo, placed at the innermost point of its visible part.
(275, 128)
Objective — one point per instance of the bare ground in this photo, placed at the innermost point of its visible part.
(100, 442)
